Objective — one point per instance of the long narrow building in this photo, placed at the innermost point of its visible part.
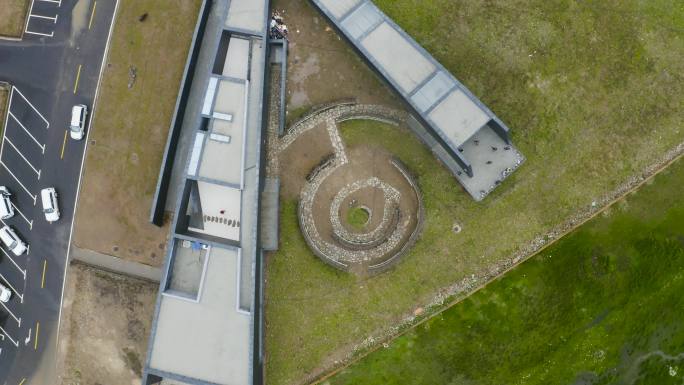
(206, 327)
(473, 142)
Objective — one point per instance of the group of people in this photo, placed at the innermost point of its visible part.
(278, 29)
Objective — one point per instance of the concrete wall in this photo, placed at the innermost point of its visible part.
(161, 191)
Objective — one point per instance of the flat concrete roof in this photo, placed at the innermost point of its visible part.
(459, 117)
(222, 157)
(402, 60)
(206, 340)
(220, 210)
(247, 15)
(339, 7)
(237, 58)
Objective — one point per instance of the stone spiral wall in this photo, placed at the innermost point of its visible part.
(398, 220)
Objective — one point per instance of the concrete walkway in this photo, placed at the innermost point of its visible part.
(115, 264)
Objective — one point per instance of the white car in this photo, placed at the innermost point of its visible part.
(5, 293)
(48, 196)
(6, 208)
(12, 241)
(78, 120)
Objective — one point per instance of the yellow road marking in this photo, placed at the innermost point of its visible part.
(61, 156)
(42, 282)
(22, 382)
(35, 343)
(92, 15)
(78, 76)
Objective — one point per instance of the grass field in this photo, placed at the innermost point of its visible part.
(357, 218)
(593, 93)
(130, 129)
(13, 17)
(603, 305)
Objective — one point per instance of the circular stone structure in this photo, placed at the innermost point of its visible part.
(368, 179)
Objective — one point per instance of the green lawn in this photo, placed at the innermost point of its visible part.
(357, 218)
(593, 93)
(603, 304)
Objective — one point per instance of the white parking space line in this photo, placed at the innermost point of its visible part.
(34, 15)
(18, 319)
(23, 157)
(30, 222)
(54, 19)
(16, 344)
(21, 296)
(42, 146)
(18, 181)
(51, 34)
(23, 272)
(47, 124)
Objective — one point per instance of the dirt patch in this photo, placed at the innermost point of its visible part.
(366, 162)
(13, 17)
(300, 157)
(130, 129)
(4, 95)
(321, 66)
(105, 327)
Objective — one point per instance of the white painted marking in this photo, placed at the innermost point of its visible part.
(26, 341)
(16, 344)
(18, 320)
(30, 222)
(52, 1)
(39, 33)
(23, 157)
(54, 19)
(4, 131)
(23, 272)
(18, 181)
(47, 124)
(42, 146)
(29, 19)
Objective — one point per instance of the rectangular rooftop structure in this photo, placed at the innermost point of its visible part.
(207, 339)
(450, 113)
(207, 322)
(247, 16)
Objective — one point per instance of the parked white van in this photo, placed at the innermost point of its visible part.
(48, 197)
(6, 208)
(12, 241)
(5, 293)
(78, 119)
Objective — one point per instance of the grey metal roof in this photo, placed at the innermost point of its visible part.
(421, 80)
(451, 112)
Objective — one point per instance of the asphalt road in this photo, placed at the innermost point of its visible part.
(55, 66)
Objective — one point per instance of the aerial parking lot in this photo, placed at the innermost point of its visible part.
(22, 152)
(23, 146)
(46, 78)
(42, 17)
